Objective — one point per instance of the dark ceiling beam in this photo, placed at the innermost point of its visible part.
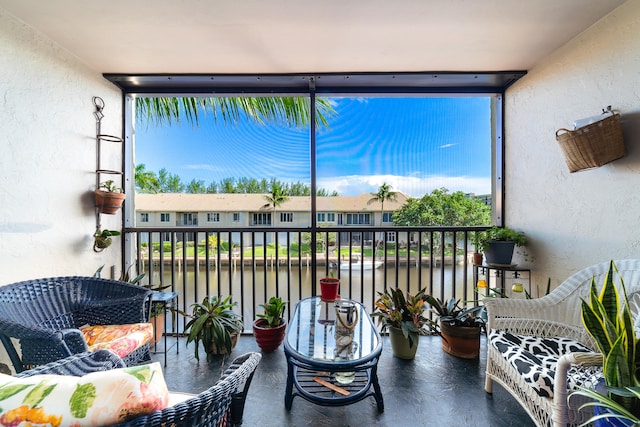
(361, 83)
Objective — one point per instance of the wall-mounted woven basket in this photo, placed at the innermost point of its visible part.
(592, 145)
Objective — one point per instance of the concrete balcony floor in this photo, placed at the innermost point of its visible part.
(435, 389)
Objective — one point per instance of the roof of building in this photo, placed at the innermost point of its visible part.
(222, 202)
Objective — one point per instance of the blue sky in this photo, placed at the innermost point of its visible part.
(414, 144)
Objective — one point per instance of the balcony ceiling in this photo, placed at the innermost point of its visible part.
(302, 36)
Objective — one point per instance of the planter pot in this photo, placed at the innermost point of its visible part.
(109, 202)
(329, 288)
(499, 252)
(158, 327)
(213, 349)
(461, 341)
(601, 410)
(400, 345)
(477, 258)
(101, 242)
(609, 422)
(268, 339)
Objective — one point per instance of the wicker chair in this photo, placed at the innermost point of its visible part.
(44, 316)
(555, 315)
(220, 405)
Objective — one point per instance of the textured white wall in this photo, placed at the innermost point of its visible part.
(47, 158)
(575, 220)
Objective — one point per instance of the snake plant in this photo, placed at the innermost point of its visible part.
(607, 317)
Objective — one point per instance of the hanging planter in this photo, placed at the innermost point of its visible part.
(109, 198)
(102, 239)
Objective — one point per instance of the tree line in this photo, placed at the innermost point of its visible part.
(166, 182)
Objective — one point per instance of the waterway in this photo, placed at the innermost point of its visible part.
(295, 283)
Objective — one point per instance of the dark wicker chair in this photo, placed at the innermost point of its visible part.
(44, 316)
(78, 365)
(220, 405)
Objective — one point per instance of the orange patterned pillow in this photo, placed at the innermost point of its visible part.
(120, 339)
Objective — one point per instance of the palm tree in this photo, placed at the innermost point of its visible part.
(383, 194)
(292, 111)
(146, 181)
(276, 198)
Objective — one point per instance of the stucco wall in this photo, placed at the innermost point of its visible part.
(48, 157)
(576, 219)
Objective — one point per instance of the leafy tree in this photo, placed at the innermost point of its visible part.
(443, 208)
(196, 187)
(322, 192)
(228, 185)
(169, 183)
(146, 181)
(212, 188)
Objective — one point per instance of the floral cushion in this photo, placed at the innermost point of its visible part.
(96, 399)
(120, 339)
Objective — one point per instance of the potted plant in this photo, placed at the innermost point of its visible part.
(459, 327)
(607, 318)
(403, 316)
(498, 244)
(329, 287)
(109, 198)
(214, 323)
(479, 242)
(102, 239)
(270, 326)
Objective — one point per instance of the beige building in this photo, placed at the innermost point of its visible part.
(228, 211)
(253, 210)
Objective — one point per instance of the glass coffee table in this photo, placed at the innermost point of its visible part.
(332, 356)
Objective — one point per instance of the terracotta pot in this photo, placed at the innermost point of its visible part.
(329, 288)
(461, 341)
(268, 339)
(158, 327)
(477, 258)
(213, 348)
(400, 345)
(109, 202)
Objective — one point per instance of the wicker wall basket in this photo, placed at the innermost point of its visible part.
(592, 145)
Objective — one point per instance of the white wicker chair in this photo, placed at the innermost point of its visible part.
(555, 315)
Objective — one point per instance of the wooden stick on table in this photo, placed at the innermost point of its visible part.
(331, 386)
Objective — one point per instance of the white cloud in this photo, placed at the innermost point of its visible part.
(413, 186)
(202, 167)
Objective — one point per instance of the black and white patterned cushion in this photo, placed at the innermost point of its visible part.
(535, 358)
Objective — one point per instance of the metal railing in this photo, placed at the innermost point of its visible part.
(254, 263)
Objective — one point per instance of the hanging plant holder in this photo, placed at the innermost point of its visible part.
(102, 239)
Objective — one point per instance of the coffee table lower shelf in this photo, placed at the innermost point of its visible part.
(365, 384)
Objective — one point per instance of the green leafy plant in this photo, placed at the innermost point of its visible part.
(453, 314)
(479, 241)
(607, 318)
(273, 312)
(102, 239)
(482, 239)
(394, 309)
(213, 322)
(503, 234)
(110, 187)
(156, 309)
